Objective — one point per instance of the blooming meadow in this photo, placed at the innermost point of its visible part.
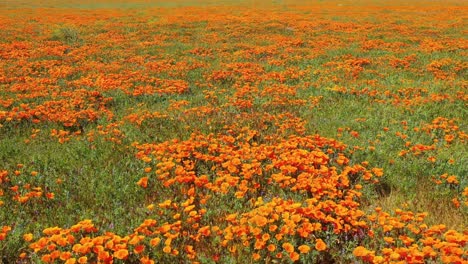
(233, 132)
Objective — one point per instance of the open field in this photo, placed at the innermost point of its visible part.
(233, 131)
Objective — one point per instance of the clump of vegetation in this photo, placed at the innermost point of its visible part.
(67, 34)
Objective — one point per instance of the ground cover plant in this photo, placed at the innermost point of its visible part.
(233, 132)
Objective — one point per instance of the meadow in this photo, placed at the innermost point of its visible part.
(233, 131)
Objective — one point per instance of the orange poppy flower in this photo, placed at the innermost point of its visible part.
(65, 255)
(28, 237)
(294, 256)
(121, 254)
(271, 247)
(83, 260)
(304, 249)
(70, 261)
(256, 256)
(143, 182)
(167, 249)
(138, 249)
(155, 241)
(360, 251)
(288, 247)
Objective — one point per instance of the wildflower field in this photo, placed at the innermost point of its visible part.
(233, 131)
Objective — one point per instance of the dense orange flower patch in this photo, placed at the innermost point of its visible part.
(409, 240)
(223, 122)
